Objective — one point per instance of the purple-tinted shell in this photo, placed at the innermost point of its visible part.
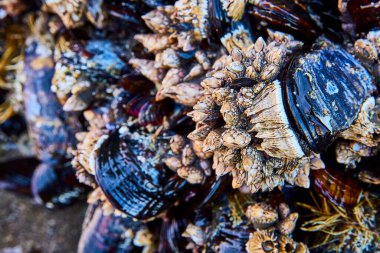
(55, 185)
(138, 189)
(287, 16)
(49, 127)
(42, 108)
(106, 233)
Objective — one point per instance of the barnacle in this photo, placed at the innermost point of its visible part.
(244, 223)
(367, 50)
(262, 215)
(262, 241)
(196, 234)
(342, 229)
(181, 61)
(288, 245)
(365, 129)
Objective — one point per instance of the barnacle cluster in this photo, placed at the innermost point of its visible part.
(159, 106)
(244, 223)
(74, 13)
(241, 118)
(188, 160)
(273, 228)
(179, 59)
(362, 138)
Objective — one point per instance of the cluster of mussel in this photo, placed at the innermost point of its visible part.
(197, 125)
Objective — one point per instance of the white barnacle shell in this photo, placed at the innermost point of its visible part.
(206, 103)
(177, 143)
(212, 83)
(200, 133)
(235, 138)
(198, 150)
(269, 120)
(168, 58)
(231, 113)
(173, 162)
(269, 72)
(283, 210)
(235, 8)
(153, 42)
(188, 156)
(94, 153)
(245, 97)
(287, 225)
(235, 70)
(286, 244)
(220, 167)
(202, 59)
(196, 71)
(158, 20)
(364, 129)
(350, 153)
(275, 55)
(223, 94)
(251, 159)
(366, 49)
(238, 38)
(262, 241)
(212, 142)
(184, 93)
(191, 174)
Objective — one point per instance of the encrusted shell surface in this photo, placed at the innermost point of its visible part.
(242, 119)
(84, 71)
(325, 90)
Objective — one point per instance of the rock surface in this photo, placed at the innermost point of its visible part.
(26, 227)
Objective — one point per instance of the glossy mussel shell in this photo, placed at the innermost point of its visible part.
(339, 188)
(139, 189)
(325, 90)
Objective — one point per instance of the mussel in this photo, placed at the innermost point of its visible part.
(51, 130)
(340, 189)
(103, 233)
(129, 175)
(324, 93)
(286, 15)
